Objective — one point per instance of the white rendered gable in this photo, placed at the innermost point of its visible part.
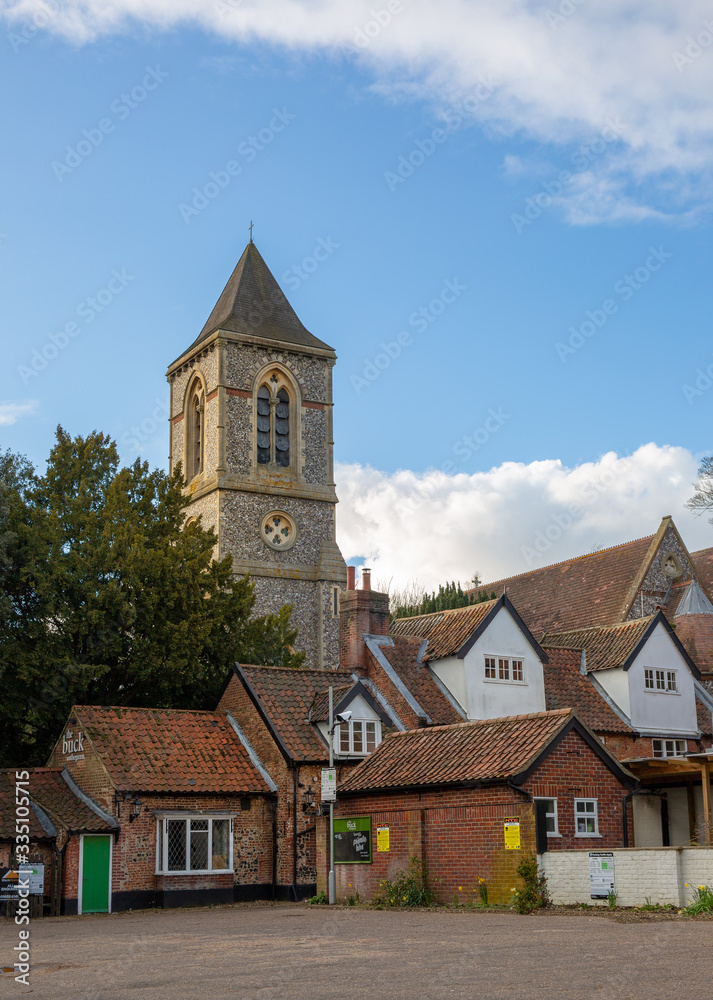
(658, 711)
(484, 698)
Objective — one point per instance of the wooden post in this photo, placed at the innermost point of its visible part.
(707, 820)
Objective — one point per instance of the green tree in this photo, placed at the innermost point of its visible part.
(448, 596)
(111, 601)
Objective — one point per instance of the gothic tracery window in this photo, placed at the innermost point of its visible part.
(273, 424)
(195, 431)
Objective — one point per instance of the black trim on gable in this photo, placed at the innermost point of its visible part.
(503, 602)
(660, 618)
(359, 690)
(591, 740)
(263, 715)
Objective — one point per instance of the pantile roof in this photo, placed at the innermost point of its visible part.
(169, 750)
(696, 635)
(55, 797)
(446, 631)
(490, 750)
(589, 590)
(703, 561)
(319, 709)
(403, 657)
(565, 685)
(285, 696)
(605, 647)
(253, 303)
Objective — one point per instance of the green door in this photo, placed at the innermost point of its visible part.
(95, 874)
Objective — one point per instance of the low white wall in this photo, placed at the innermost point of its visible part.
(659, 873)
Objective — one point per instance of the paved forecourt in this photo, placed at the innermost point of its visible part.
(309, 953)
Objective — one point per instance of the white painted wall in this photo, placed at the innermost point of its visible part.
(657, 873)
(647, 821)
(659, 712)
(487, 699)
(616, 684)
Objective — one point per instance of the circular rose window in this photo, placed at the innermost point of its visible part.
(278, 530)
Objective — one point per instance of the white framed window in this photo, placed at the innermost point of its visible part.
(509, 669)
(358, 737)
(586, 818)
(551, 816)
(189, 844)
(660, 681)
(670, 748)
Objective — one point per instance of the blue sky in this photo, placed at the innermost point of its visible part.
(93, 189)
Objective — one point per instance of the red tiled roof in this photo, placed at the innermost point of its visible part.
(52, 794)
(491, 749)
(286, 696)
(604, 647)
(589, 590)
(566, 686)
(703, 561)
(446, 631)
(319, 709)
(169, 750)
(403, 657)
(696, 635)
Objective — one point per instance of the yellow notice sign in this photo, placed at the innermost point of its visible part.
(512, 834)
(382, 838)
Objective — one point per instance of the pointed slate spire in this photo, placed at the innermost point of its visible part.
(694, 602)
(253, 303)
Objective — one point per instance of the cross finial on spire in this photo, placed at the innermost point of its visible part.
(251, 230)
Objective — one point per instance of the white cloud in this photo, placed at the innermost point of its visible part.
(515, 517)
(560, 76)
(11, 412)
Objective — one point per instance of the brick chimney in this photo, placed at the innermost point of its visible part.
(360, 611)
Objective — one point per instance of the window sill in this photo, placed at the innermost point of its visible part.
(554, 834)
(588, 836)
(495, 680)
(214, 871)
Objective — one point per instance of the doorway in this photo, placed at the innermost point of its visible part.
(95, 874)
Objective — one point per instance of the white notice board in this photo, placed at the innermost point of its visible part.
(601, 874)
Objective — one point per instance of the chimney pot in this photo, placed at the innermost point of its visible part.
(365, 579)
(351, 577)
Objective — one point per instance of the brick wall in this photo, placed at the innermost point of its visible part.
(360, 611)
(459, 833)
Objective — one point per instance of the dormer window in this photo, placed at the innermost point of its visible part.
(273, 423)
(660, 681)
(357, 737)
(505, 668)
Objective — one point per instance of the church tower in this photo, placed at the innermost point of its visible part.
(251, 423)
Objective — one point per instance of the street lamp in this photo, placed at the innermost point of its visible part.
(333, 723)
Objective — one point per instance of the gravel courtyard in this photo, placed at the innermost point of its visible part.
(309, 953)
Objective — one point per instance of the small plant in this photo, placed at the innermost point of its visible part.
(534, 894)
(611, 899)
(318, 900)
(456, 899)
(702, 900)
(408, 887)
(483, 891)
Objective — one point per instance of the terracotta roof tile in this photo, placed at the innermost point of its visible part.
(287, 695)
(566, 686)
(403, 657)
(696, 635)
(319, 710)
(52, 794)
(446, 631)
(486, 750)
(703, 561)
(605, 647)
(168, 750)
(589, 590)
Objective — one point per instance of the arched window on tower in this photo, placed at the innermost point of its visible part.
(195, 431)
(273, 424)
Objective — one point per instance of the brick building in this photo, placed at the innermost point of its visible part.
(191, 807)
(467, 801)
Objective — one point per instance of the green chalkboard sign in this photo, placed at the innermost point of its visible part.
(352, 841)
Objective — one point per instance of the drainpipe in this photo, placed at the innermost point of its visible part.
(296, 774)
(274, 846)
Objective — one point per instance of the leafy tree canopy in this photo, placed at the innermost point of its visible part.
(107, 599)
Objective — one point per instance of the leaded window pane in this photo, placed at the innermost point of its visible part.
(176, 836)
